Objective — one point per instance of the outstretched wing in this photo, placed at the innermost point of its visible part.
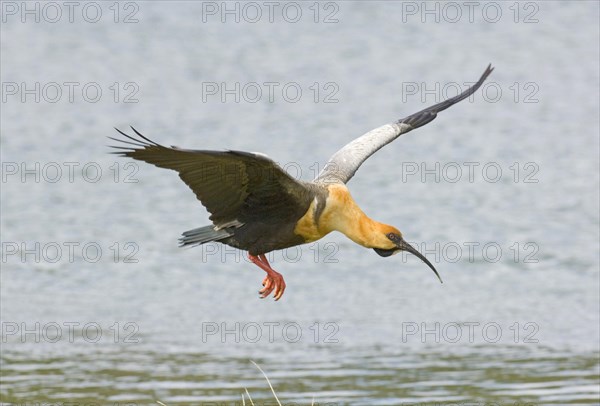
(235, 187)
(344, 163)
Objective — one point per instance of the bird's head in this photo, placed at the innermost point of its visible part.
(391, 242)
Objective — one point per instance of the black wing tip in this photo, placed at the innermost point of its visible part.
(144, 138)
(419, 119)
(430, 113)
(484, 75)
(136, 143)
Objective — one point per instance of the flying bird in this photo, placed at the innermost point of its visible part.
(257, 207)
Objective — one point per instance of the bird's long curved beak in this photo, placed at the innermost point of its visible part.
(404, 246)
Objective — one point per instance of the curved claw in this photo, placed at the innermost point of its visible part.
(273, 282)
(281, 288)
(266, 291)
(267, 285)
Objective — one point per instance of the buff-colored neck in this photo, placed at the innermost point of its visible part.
(343, 214)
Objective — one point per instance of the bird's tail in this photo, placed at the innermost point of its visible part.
(202, 235)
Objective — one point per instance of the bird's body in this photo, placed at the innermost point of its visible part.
(257, 207)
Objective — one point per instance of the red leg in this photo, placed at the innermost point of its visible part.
(266, 282)
(273, 280)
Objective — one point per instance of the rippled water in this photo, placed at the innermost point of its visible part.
(517, 318)
(506, 375)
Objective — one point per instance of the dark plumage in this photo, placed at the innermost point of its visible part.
(254, 204)
(257, 207)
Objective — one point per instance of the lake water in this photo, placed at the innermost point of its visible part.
(500, 192)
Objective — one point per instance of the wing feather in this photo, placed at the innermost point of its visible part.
(342, 166)
(235, 187)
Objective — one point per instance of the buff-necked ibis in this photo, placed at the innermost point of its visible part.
(257, 207)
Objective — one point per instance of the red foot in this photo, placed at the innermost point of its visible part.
(273, 280)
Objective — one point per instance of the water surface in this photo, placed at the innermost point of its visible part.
(353, 328)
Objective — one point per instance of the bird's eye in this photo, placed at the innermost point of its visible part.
(392, 236)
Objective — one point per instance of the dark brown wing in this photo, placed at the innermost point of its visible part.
(235, 187)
